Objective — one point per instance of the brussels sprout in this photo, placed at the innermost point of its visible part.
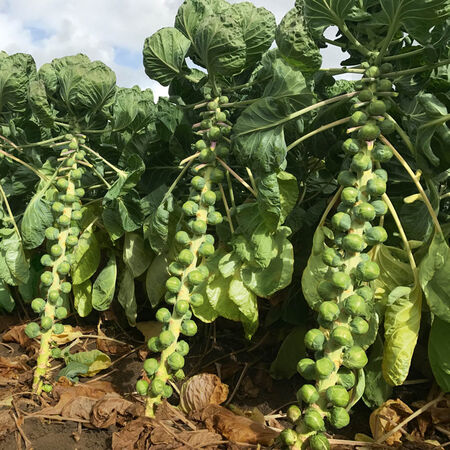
(373, 72)
(366, 292)
(288, 437)
(198, 183)
(188, 327)
(182, 238)
(187, 314)
(57, 207)
(46, 323)
(358, 118)
(367, 271)
(355, 358)
(293, 413)
(32, 330)
(377, 108)
(349, 195)
(361, 162)
(341, 280)
(353, 243)
(328, 311)
(319, 442)
(376, 235)
(46, 260)
(70, 198)
(175, 361)
(182, 348)
(209, 198)
(369, 132)
(347, 178)
(52, 233)
(206, 250)
(38, 305)
(314, 339)
(179, 374)
(364, 212)
(151, 366)
(214, 133)
(386, 68)
(56, 353)
(346, 378)
(376, 187)
(53, 296)
(365, 96)
(341, 221)
(71, 241)
(163, 315)
(76, 174)
(306, 367)
(359, 326)
(200, 145)
(222, 150)
(217, 175)
(339, 417)
(196, 300)
(58, 328)
(214, 218)
(181, 307)
(331, 257)
(195, 277)
(79, 192)
(327, 324)
(209, 239)
(61, 313)
(142, 387)
(47, 388)
(327, 290)
(199, 226)
(185, 257)
(338, 395)
(77, 215)
(355, 305)
(64, 220)
(382, 153)
(75, 231)
(170, 298)
(205, 124)
(308, 394)
(206, 156)
(64, 268)
(62, 184)
(154, 345)
(384, 85)
(324, 367)
(380, 207)
(56, 250)
(190, 208)
(313, 419)
(351, 146)
(166, 338)
(167, 391)
(342, 336)
(46, 278)
(387, 127)
(173, 285)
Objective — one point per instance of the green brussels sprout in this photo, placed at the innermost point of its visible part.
(188, 327)
(381, 173)
(380, 207)
(71, 241)
(328, 311)
(314, 339)
(376, 187)
(361, 162)
(353, 243)
(190, 208)
(80, 155)
(179, 374)
(342, 336)
(196, 300)
(339, 417)
(198, 183)
(187, 314)
(185, 257)
(182, 238)
(386, 68)
(313, 419)
(331, 257)
(61, 313)
(308, 394)
(58, 328)
(319, 442)
(157, 386)
(324, 367)
(198, 226)
(214, 218)
(306, 367)
(351, 146)
(46, 260)
(56, 250)
(151, 366)
(364, 212)
(365, 96)
(76, 174)
(175, 361)
(38, 305)
(338, 395)
(366, 292)
(217, 175)
(349, 195)
(181, 307)
(222, 150)
(206, 250)
(77, 215)
(166, 338)
(176, 269)
(384, 85)
(346, 378)
(70, 198)
(359, 326)
(367, 271)
(206, 156)
(73, 145)
(56, 353)
(288, 437)
(387, 127)
(347, 178)
(355, 358)
(53, 296)
(46, 323)
(62, 184)
(327, 324)
(75, 231)
(182, 348)
(293, 413)
(221, 116)
(341, 221)
(209, 198)
(154, 345)
(214, 133)
(79, 192)
(47, 387)
(373, 72)
(377, 108)
(163, 315)
(341, 280)
(382, 153)
(57, 207)
(65, 287)
(170, 298)
(327, 290)
(64, 268)
(142, 387)
(52, 233)
(59, 302)
(376, 235)
(206, 123)
(200, 145)
(355, 305)
(173, 285)
(223, 99)
(358, 118)
(32, 330)
(46, 278)
(167, 391)
(369, 132)
(64, 220)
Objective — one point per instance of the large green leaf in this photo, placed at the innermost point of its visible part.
(14, 268)
(86, 258)
(7, 303)
(105, 285)
(434, 275)
(94, 360)
(127, 298)
(155, 280)
(218, 297)
(164, 55)
(157, 225)
(37, 96)
(82, 297)
(401, 330)
(136, 254)
(439, 354)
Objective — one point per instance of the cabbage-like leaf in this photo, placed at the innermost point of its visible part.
(86, 258)
(14, 267)
(296, 44)
(82, 298)
(164, 55)
(105, 285)
(127, 298)
(136, 254)
(439, 354)
(7, 303)
(37, 96)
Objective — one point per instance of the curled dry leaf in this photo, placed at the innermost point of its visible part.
(237, 428)
(202, 390)
(134, 435)
(17, 334)
(6, 422)
(112, 409)
(387, 417)
(70, 334)
(171, 438)
(13, 369)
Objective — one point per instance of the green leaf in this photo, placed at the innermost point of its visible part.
(127, 298)
(434, 276)
(258, 136)
(291, 351)
(105, 285)
(14, 268)
(438, 353)
(72, 370)
(94, 360)
(36, 218)
(82, 298)
(229, 264)
(158, 224)
(136, 254)
(358, 390)
(86, 258)
(155, 281)
(289, 193)
(164, 55)
(37, 96)
(218, 297)
(401, 330)
(268, 199)
(7, 303)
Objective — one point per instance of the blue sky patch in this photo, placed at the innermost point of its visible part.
(38, 34)
(128, 58)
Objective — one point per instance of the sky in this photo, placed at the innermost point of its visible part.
(112, 31)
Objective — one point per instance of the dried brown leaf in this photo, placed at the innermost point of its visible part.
(6, 422)
(111, 409)
(135, 435)
(174, 439)
(202, 390)
(17, 334)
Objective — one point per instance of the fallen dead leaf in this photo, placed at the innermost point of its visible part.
(6, 422)
(112, 409)
(202, 390)
(171, 438)
(236, 428)
(111, 347)
(17, 334)
(14, 369)
(70, 334)
(134, 435)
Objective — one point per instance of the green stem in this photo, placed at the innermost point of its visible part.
(241, 104)
(435, 122)
(230, 190)
(403, 55)
(235, 175)
(337, 44)
(245, 85)
(113, 167)
(177, 179)
(8, 208)
(394, 75)
(402, 134)
(387, 40)
(348, 34)
(338, 70)
(227, 208)
(252, 179)
(18, 160)
(330, 206)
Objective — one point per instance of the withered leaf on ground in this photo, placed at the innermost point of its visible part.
(134, 435)
(14, 369)
(174, 439)
(17, 334)
(7, 423)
